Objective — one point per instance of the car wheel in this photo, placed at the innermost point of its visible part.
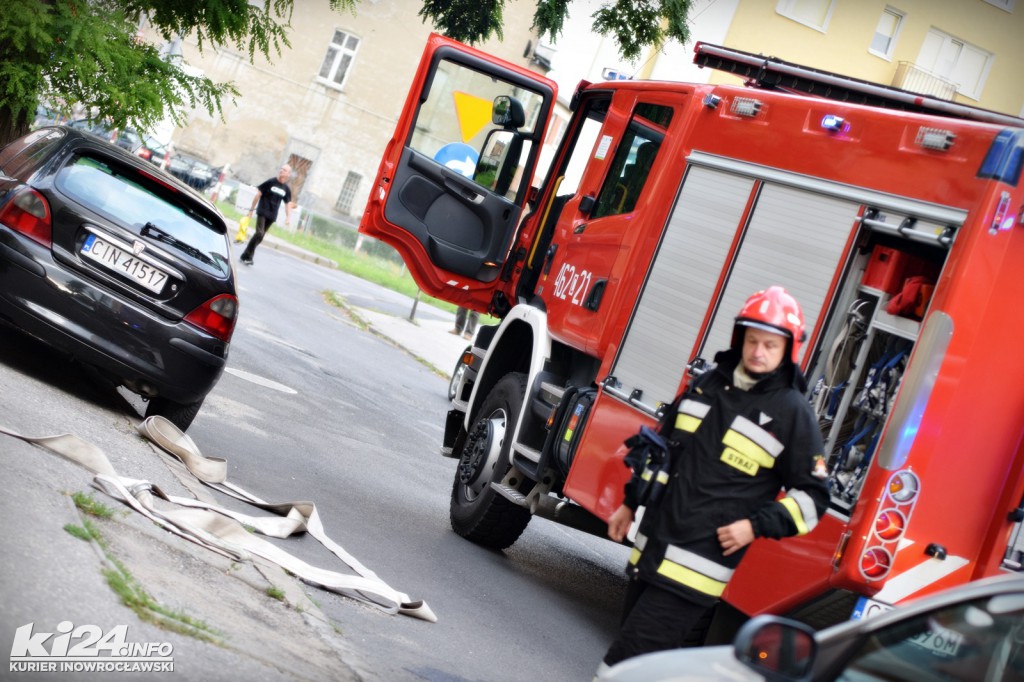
(181, 415)
(460, 369)
(477, 512)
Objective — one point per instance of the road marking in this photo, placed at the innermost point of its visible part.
(262, 381)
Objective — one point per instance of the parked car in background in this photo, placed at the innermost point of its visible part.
(107, 258)
(126, 138)
(194, 172)
(971, 632)
(154, 151)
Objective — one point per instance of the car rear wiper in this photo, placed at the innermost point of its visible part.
(151, 230)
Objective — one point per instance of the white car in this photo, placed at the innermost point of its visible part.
(974, 632)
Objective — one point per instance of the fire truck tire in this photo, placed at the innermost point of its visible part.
(477, 512)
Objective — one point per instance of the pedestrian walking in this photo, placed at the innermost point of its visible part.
(740, 432)
(465, 322)
(266, 204)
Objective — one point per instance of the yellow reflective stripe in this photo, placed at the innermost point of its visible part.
(691, 578)
(646, 475)
(691, 413)
(793, 507)
(662, 477)
(748, 448)
(807, 509)
(634, 557)
(685, 422)
(757, 434)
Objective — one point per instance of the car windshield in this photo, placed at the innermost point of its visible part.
(130, 197)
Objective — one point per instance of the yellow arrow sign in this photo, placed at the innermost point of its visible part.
(474, 114)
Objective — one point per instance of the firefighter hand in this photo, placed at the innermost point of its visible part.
(619, 523)
(735, 536)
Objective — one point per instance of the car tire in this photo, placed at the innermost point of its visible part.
(460, 369)
(477, 512)
(179, 414)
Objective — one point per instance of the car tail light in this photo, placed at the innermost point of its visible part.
(29, 213)
(876, 563)
(144, 153)
(217, 316)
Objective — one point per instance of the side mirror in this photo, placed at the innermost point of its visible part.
(508, 113)
(778, 648)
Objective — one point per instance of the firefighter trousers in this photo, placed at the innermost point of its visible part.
(653, 619)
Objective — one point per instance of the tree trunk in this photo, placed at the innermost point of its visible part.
(11, 126)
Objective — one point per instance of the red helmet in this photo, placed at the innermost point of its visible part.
(774, 310)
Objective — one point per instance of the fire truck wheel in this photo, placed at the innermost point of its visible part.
(477, 512)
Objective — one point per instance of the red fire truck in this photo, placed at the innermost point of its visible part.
(617, 255)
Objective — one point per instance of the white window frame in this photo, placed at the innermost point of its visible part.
(949, 74)
(347, 194)
(790, 10)
(335, 55)
(899, 17)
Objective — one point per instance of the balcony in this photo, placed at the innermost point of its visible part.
(915, 79)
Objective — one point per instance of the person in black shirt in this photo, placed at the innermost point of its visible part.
(266, 203)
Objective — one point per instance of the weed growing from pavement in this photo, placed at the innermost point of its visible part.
(90, 506)
(125, 586)
(275, 593)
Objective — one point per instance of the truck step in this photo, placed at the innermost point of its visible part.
(526, 452)
(510, 494)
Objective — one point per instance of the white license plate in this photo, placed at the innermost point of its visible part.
(119, 260)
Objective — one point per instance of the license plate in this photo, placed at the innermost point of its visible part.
(119, 260)
(866, 608)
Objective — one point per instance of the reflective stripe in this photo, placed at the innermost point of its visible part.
(691, 413)
(807, 510)
(755, 433)
(793, 507)
(691, 578)
(638, 546)
(695, 408)
(696, 562)
(685, 422)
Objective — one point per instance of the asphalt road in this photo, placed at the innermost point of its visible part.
(314, 407)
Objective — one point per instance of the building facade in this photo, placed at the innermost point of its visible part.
(329, 104)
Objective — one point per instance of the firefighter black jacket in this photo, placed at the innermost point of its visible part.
(732, 452)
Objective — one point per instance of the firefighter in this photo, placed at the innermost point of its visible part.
(742, 432)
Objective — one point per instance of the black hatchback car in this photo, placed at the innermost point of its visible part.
(109, 259)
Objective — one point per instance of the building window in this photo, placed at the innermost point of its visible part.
(348, 193)
(957, 61)
(888, 28)
(1002, 4)
(813, 13)
(338, 60)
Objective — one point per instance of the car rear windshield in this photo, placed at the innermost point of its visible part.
(153, 209)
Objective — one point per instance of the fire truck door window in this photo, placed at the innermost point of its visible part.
(632, 163)
(455, 126)
(461, 183)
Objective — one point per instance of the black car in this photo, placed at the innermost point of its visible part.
(194, 172)
(107, 258)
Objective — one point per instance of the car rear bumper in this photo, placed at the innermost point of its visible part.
(142, 349)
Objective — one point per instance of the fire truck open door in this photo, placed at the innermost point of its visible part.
(455, 177)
